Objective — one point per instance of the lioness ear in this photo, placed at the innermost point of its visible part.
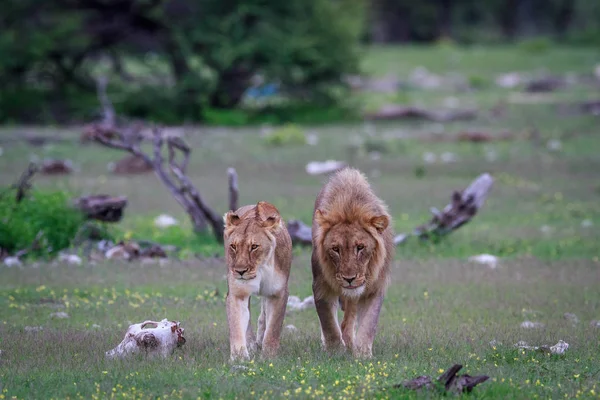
(380, 222)
(231, 219)
(267, 214)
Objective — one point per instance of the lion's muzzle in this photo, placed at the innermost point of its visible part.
(350, 282)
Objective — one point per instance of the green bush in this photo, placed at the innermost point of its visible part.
(537, 45)
(289, 134)
(195, 55)
(48, 212)
(142, 228)
(478, 82)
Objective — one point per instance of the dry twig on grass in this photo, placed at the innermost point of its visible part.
(449, 380)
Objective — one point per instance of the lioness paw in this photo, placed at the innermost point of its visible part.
(240, 354)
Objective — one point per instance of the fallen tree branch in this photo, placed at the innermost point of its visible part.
(174, 178)
(102, 207)
(463, 207)
(186, 187)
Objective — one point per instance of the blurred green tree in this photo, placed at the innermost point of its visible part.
(207, 52)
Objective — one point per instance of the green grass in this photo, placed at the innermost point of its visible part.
(440, 310)
(436, 313)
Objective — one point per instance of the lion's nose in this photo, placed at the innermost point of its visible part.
(349, 280)
(242, 272)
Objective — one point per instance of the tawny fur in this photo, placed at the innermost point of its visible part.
(352, 253)
(258, 251)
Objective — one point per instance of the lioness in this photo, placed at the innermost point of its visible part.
(352, 251)
(258, 250)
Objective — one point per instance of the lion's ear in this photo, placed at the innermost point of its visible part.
(321, 218)
(267, 214)
(231, 219)
(380, 222)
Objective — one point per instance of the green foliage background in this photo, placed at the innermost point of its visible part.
(43, 211)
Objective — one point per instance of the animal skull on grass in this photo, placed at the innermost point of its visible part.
(150, 337)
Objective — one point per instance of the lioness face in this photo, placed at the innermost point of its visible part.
(249, 242)
(249, 248)
(350, 248)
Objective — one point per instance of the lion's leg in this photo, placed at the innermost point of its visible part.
(368, 318)
(331, 335)
(349, 322)
(262, 320)
(275, 313)
(250, 339)
(238, 316)
(326, 306)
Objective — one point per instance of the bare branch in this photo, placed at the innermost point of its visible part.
(213, 218)
(233, 189)
(177, 193)
(178, 184)
(24, 182)
(179, 144)
(35, 245)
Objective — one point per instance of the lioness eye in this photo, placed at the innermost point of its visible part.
(254, 247)
(336, 249)
(360, 247)
(232, 247)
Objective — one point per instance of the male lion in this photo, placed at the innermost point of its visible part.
(352, 251)
(258, 250)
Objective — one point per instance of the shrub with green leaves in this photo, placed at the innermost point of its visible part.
(289, 134)
(48, 212)
(171, 60)
(536, 45)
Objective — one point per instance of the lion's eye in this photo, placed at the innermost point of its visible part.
(254, 247)
(232, 246)
(360, 247)
(336, 249)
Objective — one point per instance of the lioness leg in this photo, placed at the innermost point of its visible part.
(349, 322)
(262, 320)
(250, 338)
(330, 329)
(238, 317)
(274, 312)
(368, 318)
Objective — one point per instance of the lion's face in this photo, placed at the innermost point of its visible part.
(350, 247)
(249, 242)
